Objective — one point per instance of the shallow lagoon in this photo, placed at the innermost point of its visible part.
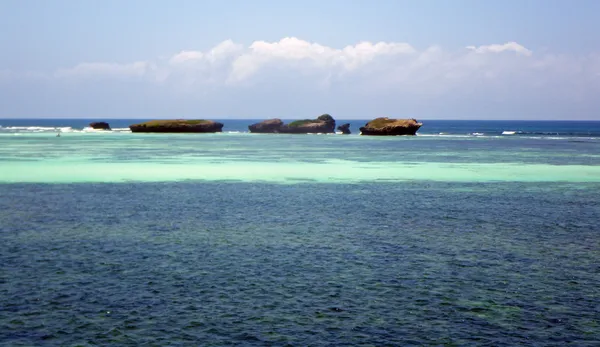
(123, 157)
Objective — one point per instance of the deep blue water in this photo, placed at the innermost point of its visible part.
(403, 263)
(367, 264)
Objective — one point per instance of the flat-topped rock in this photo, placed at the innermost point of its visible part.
(391, 127)
(177, 126)
(322, 124)
(266, 126)
(100, 126)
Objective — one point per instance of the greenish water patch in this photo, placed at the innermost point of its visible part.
(78, 157)
(71, 171)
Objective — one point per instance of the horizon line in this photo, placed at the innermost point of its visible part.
(341, 119)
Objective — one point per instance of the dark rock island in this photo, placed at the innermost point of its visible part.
(177, 126)
(391, 127)
(267, 126)
(345, 129)
(323, 124)
(100, 126)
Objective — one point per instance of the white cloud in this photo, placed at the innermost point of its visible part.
(289, 77)
(220, 52)
(366, 69)
(507, 47)
(229, 63)
(295, 53)
(185, 56)
(224, 50)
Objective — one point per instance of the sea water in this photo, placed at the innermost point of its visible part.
(471, 233)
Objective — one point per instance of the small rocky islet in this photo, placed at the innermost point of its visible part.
(177, 126)
(324, 124)
(391, 127)
(344, 129)
(100, 126)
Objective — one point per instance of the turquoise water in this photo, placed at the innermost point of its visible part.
(41, 157)
(235, 238)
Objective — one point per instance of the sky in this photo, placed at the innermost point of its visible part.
(444, 59)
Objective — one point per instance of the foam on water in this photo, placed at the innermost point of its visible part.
(45, 130)
(35, 129)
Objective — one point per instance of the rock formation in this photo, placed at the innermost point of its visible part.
(100, 126)
(267, 126)
(391, 127)
(177, 126)
(323, 124)
(345, 129)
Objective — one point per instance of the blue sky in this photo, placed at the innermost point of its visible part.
(296, 59)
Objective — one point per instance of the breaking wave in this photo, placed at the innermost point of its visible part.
(42, 129)
(552, 133)
(37, 129)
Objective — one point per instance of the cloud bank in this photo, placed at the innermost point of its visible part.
(387, 64)
(380, 75)
(507, 47)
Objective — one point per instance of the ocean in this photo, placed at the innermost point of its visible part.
(470, 233)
